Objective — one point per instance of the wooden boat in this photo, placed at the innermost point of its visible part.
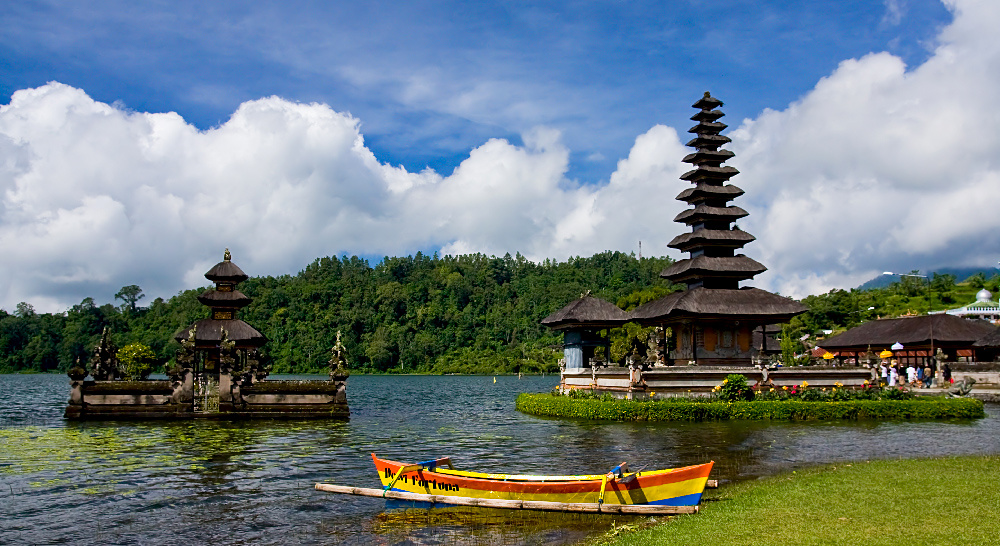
(668, 488)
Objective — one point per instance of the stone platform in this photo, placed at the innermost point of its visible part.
(664, 381)
(180, 398)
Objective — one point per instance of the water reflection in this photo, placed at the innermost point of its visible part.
(251, 482)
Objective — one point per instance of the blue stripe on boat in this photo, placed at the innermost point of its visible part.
(684, 500)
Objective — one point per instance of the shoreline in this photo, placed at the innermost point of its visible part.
(887, 501)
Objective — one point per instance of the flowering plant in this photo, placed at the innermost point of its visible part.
(733, 388)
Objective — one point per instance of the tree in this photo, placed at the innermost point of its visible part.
(24, 310)
(977, 281)
(787, 346)
(130, 295)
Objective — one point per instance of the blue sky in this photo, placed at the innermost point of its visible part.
(431, 80)
(140, 139)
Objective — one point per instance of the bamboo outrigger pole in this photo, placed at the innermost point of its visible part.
(591, 507)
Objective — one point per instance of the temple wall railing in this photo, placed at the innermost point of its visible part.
(664, 381)
(175, 399)
(143, 399)
(294, 399)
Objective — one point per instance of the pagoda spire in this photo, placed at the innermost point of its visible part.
(714, 238)
(224, 301)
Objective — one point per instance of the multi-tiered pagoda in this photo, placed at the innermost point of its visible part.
(225, 301)
(713, 319)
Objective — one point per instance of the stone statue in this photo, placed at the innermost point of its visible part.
(962, 388)
(227, 256)
(104, 361)
(338, 359)
(77, 372)
(259, 369)
(232, 361)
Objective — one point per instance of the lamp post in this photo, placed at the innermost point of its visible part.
(930, 357)
(857, 356)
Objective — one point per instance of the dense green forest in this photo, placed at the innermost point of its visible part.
(449, 314)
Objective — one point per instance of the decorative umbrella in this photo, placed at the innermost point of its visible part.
(827, 356)
(897, 346)
(885, 354)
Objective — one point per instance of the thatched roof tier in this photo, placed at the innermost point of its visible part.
(210, 333)
(707, 102)
(705, 212)
(752, 303)
(708, 140)
(587, 312)
(708, 127)
(708, 156)
(731, 238)
(226, 271)
(945, 330)
(707, 115)
(703, 191)
(990, 340)
(732, 267)
(704, 172)
(216, 298)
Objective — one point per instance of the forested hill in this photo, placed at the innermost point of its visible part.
(470, 313)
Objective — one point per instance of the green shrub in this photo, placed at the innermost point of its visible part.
(685, 409)
(136, 361)
(734, 388)
(892, 393)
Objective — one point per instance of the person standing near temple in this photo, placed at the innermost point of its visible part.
(884, 370)
(911, 374)
(928, 375)
(947, 373)
(893, 376)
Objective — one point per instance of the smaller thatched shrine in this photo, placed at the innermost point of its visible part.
(582, 322)
(222, 329)
(218, 372)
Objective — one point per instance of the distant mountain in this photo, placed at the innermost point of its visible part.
(960, 273)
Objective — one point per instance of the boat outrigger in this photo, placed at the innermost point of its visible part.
(669, 491)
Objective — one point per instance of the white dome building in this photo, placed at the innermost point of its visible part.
(983, 308)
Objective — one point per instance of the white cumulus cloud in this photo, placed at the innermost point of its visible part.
(879, 167)
(95, 197)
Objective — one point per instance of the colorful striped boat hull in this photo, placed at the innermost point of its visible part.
(670, 487)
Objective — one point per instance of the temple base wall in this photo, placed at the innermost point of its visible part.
(166, 399)
(634, 382)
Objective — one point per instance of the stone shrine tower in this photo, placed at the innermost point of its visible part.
(713, 319)
(225, 301)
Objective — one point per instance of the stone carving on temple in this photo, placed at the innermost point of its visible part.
(104, 361)
(338, 360)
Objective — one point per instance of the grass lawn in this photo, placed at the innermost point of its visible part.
(953, 500)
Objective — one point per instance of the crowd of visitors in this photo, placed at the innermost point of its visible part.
(913, 375)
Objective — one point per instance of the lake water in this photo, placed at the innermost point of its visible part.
(252, 482)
